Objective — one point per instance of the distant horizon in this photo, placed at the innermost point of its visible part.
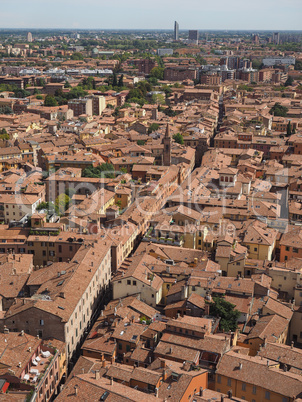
(261, 15)
(147, 29)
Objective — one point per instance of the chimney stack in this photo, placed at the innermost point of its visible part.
(76, 390)
(97, 374)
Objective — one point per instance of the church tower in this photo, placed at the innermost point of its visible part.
(167, 147)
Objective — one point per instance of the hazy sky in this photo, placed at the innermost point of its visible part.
(154, 14)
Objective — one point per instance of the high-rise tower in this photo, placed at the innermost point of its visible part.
(29, 37)
(176, 30)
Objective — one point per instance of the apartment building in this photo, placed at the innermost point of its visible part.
(180, 73)
(67, 297)
(84, 106)
(31, 364)
(256, 379)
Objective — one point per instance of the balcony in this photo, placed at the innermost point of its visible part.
(38, 366)
(163, 240)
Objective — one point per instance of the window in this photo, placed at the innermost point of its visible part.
(295, 250)
(128, 282)
(229, 382)
(120, 346)
(254, 389)
(41, 322)
(243, 387)
(219, 379)
(267, 395)
(255, 248)
(134, 283)
(284, 399)
(287, 248)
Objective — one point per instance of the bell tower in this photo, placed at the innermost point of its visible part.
(167, 147)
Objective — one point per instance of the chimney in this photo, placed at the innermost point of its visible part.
(292, 345)
(97, 374)
(200, 391)
(165, 375)
(76, 390)
(22, 332)
(230, 394)
(240, 366)
(207, 309)
(111, 381)
(156, 392)
(222, 398)
(163, 364)
(5, 330)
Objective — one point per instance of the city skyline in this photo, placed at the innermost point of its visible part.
(67, 14)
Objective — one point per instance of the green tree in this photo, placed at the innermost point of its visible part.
(288, 129)
(227, 313)
(169, 112)
(153, 127)
(157, 72)
(6, 110)
(298, 65)
(77, 56)
(50, 101)
(257, 64)
(153, 81)
(21, 93)
(178, 138)
(140, 142)
(104, 170)
(279, 110)
(289, 82)
(121, 81)
(114, 79)
(3, 134)
(67, 85)
(40, 82)
(62, 203)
